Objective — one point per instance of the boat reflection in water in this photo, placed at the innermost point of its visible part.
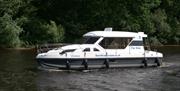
(18, 72)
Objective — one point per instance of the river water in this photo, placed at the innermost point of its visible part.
(19, 72)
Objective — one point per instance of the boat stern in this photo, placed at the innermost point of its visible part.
(153, 54)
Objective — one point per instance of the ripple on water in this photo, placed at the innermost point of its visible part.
(18, 72)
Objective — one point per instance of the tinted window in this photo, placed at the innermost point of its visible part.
(136, 43)
(86, 50)
(65, 51)
(95, 49)
(90, 40)
(115, 43)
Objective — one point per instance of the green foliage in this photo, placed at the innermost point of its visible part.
(71, 18)
(10, 7)
(9, 32)
(154, 41)
(38, 32)
(21, 27)
(52, 32)
(162, 28)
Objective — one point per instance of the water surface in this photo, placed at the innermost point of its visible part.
(18, 72)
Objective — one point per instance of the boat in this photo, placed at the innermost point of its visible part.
(103, 49)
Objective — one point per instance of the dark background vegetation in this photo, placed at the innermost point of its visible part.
(30, 22)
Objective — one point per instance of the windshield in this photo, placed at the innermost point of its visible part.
(90, 40)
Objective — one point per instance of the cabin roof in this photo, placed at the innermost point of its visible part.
(114, 34)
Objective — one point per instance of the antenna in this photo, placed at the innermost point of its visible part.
(109, 29)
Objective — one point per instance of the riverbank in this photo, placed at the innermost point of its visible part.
(62, 44)
(20, 48)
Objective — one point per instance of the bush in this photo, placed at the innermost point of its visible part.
(9, 32)
(40, 32)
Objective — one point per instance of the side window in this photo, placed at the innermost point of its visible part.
(66, 51)
(95, 49)
(91, 40)
(86, 50)
(115, 43)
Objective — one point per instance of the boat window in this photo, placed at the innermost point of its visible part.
(86, 50)
(95, 49)
(69, 50)
(136, 43)
(115, 43)
(90, 40)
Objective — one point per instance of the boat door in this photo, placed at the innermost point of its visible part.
(136, 48)
(87, 53)
(93, 53)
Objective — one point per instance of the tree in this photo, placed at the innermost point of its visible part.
(9, 32)
(163, 29)
(71, 18)
(38, 32)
